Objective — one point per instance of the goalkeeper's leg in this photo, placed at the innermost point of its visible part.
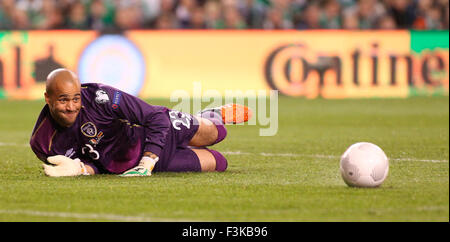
(211, 160)
(196, 160)
(212, 123)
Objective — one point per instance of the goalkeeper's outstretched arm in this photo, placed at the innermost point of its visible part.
(64, 166)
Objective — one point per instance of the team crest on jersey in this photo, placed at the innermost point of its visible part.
(101, 97)
(89, 129)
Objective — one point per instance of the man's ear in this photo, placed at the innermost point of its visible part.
(47, 98)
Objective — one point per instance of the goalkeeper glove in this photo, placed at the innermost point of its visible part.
(144, 168)
(64, 166)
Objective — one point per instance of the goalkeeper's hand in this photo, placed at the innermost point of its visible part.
(144, 168)
(64, 166)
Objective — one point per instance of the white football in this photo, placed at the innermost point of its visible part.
(364, 164)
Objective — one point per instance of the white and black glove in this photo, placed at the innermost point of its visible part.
(144, 168)
(64, 166)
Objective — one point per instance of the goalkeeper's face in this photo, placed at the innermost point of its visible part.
(64, 102)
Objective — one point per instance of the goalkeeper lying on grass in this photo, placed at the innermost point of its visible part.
(96, 129)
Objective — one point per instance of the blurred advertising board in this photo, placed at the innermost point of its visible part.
(310, 64)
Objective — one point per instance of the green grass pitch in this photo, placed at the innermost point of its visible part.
(293, 176)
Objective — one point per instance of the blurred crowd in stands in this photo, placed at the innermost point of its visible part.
(117, 15)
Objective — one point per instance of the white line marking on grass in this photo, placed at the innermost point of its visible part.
(87, 216)
(235, 153)
(279, 154)
(320, 156)
(14, 144)
(414, 159)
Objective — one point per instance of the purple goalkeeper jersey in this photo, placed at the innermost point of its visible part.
(111, 132)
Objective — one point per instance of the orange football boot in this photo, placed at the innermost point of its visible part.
(235, 113)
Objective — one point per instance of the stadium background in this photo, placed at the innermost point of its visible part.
(343, 49)
(348, 71)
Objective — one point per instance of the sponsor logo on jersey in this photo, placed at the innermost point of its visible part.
(69, 153)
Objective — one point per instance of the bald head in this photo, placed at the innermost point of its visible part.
(63, 96)
(60, 77)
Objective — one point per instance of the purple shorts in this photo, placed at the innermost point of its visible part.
(176, 156)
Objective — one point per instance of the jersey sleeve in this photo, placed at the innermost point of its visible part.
(121, 105)
(42, 135)
(42, 141)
